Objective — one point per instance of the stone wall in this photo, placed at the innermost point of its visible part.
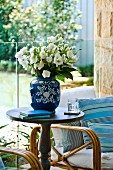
(103, 60)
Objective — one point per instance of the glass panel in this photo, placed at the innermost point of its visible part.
(8, 93)
(23, 82)
(7, 74)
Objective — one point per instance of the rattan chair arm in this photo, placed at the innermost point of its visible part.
(30, 157)
(33, 140)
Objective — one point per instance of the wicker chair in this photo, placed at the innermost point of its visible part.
(63, 161)
(30, 157)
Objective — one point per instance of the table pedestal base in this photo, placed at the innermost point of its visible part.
(45, 146)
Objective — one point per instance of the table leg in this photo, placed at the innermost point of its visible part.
(45, 146)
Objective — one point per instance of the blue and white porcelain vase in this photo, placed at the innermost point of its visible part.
(45, 93)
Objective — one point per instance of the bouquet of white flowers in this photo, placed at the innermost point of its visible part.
(55, 58)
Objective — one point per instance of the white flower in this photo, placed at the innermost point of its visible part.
(32, 50)
(58, 59)
(44, 58)
(61, 48)
(43, 48)
(66, 45)
(42, 54)
(53, 50)
(70, 65)
(46, 73)
(74, 58)
(32, 71)
(51, 46)
(31, 54)
(23, 61)
(57, 55)
(40, 65)
(18, 54)
(33, 59)
(64, 57)
(51, 39)
(24, 50)
(61, 40)
(35, 66)
(49, 59)
(69, 53)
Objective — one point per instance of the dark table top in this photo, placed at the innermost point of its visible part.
(59, 116)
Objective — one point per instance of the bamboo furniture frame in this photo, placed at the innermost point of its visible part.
(94, 140)
(29, 156)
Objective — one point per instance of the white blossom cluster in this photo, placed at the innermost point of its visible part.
(48, 60)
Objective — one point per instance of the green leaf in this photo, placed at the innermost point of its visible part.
(60, 77)
(8, 143)
(68, 75)
(26, 135)
(3, 126)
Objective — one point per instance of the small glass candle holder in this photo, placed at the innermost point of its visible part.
(73, 105)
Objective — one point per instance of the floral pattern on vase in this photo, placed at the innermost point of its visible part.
(45, 93)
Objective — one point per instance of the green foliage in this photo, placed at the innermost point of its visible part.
(8, 159)
(10, 66)
(26, 135)
(7, 31)
(7, 51)
(58, 17)
(13, 21)
(87, 71)
(3, 141)
(7, 66)
(49, 17)
(66, 73)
